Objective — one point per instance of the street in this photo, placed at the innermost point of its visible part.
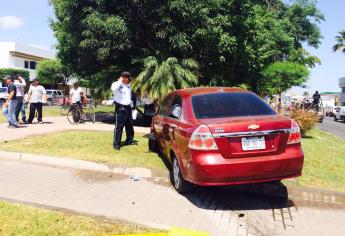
(336, 128)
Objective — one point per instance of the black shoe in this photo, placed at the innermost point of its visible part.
(131, 142)
(116, 147)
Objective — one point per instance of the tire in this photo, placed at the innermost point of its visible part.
(152, 145)
(74, 115)
(335, 118)
(179, 183)
(2, 101)
(50, 102)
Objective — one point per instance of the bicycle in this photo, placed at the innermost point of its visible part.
(76, 114)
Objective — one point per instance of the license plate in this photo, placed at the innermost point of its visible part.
(253, 143)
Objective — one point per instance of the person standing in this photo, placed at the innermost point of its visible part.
(11, 103)
(20, 84)
(123, 110)
(76, 94)
(37, 96)
(316, 100)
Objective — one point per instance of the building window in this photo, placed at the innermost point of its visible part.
(343, 90)
(32, 65)
(26, 64)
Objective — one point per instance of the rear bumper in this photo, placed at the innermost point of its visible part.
(211, 169)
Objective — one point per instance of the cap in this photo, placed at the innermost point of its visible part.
(7, 77)
(126, 74)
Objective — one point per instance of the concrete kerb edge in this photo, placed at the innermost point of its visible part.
(74, 164)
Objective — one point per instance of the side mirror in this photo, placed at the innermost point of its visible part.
(176, 112)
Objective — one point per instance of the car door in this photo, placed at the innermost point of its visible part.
(172, 127)
(159, 120)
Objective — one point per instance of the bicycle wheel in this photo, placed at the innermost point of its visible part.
(90, 114)
(74, 115)
(64, 110)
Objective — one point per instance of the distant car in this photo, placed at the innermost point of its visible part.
(54, 96)
(339, 114)
(224, 136)
(3, 95)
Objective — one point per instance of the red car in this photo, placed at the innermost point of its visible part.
(225, 136)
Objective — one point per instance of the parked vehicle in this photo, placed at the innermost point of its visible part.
(54, 96)
(224, 136)
(339, 114)
(3, 95)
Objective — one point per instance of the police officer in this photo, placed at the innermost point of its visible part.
(124, 98)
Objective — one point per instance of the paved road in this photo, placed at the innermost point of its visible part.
(220, 211)
(334, 127)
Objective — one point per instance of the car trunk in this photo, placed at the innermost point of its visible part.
(250, 136)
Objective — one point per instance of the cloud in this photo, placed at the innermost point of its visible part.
(10, 22)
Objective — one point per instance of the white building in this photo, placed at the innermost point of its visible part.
(342, 94)
(23, 56)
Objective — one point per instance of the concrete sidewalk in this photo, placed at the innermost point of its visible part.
(55, 124)
(219, 211)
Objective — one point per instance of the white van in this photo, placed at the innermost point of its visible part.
(339, 114)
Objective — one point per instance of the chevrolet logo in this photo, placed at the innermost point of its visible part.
(253, 127)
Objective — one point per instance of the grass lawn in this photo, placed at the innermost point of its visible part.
(87, 145)
(324, 163)
(55, 111)
(16, 219)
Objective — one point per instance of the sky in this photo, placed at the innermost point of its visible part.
(27, 21)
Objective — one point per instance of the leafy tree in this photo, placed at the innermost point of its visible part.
(160, 77)
(232, 40)
(51, 72)
(281, 76)
(340, 45)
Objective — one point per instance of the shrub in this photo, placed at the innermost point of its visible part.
(305, 119)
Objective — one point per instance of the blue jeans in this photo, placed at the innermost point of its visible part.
(11, 112)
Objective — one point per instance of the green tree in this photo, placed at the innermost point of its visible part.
(340, 45)
(51, 72)
(160, 77)
(232, 40)
(281, 76)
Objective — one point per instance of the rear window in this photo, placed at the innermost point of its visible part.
(3, 90)
(219, 105)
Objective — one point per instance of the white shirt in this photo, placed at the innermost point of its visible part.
(122, 93)
(36, 94)
(75, 93)
(20, 87)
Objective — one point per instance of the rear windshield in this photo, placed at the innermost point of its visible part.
(219, 105)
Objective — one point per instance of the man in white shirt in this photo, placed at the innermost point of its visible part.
(20, 84)
(37, 95)
(76, 95)
(124, 98)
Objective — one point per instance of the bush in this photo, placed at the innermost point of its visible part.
(305, 119)
(13, 72)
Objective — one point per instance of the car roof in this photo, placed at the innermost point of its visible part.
(205, 90)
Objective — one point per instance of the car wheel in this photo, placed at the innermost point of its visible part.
(335, 118)
(50, 102)
(152, 145)
(178, 181)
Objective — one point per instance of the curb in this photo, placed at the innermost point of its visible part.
(74, 164)
(279, 190)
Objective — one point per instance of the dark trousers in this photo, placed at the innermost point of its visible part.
(19, 107)
(33, 108)
(123, 119)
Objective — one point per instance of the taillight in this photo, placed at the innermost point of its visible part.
(295, 134)
(202, 139)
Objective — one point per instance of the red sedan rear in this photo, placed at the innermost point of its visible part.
(225, 136)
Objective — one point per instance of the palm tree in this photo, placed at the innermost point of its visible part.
(161, 77)
(340, 46)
